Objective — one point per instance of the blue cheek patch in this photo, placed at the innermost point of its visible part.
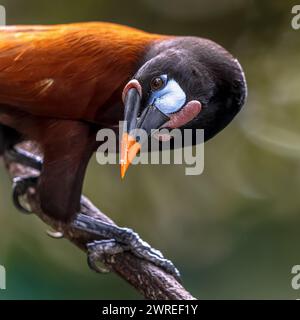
(169, 99)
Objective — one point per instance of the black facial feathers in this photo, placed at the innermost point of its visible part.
(205, 71)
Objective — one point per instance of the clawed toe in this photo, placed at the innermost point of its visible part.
(24, 158)
(20, 187)
(120, 240)
(55, 234)
(98, 250)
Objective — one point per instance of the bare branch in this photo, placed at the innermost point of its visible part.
(151, 281)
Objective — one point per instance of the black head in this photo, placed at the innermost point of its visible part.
(184, 82)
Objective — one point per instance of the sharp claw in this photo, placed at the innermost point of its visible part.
(55, 234)
(18, 205)
(121, 239)
(20, 186)
(92, 261)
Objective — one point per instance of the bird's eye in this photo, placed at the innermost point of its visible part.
(156, 83)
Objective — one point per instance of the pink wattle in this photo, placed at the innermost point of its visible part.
(185, 115)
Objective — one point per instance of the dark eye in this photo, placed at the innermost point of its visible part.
(156, 83)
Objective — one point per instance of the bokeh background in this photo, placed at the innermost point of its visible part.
(234, 231)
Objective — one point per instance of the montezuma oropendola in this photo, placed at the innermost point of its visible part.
(60, 84)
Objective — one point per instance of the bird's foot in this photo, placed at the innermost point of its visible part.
(20, 187)
(24, 158)
(119, 240)
(21, 184)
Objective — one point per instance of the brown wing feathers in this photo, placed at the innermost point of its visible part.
(54, 82)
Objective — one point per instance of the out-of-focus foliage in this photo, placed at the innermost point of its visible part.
(234, 230)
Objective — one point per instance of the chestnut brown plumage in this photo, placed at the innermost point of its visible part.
(60, 84)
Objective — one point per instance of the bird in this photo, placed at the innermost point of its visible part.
(60, 84)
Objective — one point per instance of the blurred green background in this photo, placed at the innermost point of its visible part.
(233, 231)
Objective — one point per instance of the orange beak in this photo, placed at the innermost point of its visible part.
(150, 118)
(129, 149)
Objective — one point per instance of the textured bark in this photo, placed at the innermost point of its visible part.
(151, 281)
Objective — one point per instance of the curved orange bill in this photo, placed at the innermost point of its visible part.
(129, 149)
(132, 100)
(150, 118)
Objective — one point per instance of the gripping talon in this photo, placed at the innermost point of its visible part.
(92, 263)
(120, 240)
(24, 158)
(20, 187)
(97, 252)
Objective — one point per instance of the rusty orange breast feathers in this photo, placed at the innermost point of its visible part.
(68, 71)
